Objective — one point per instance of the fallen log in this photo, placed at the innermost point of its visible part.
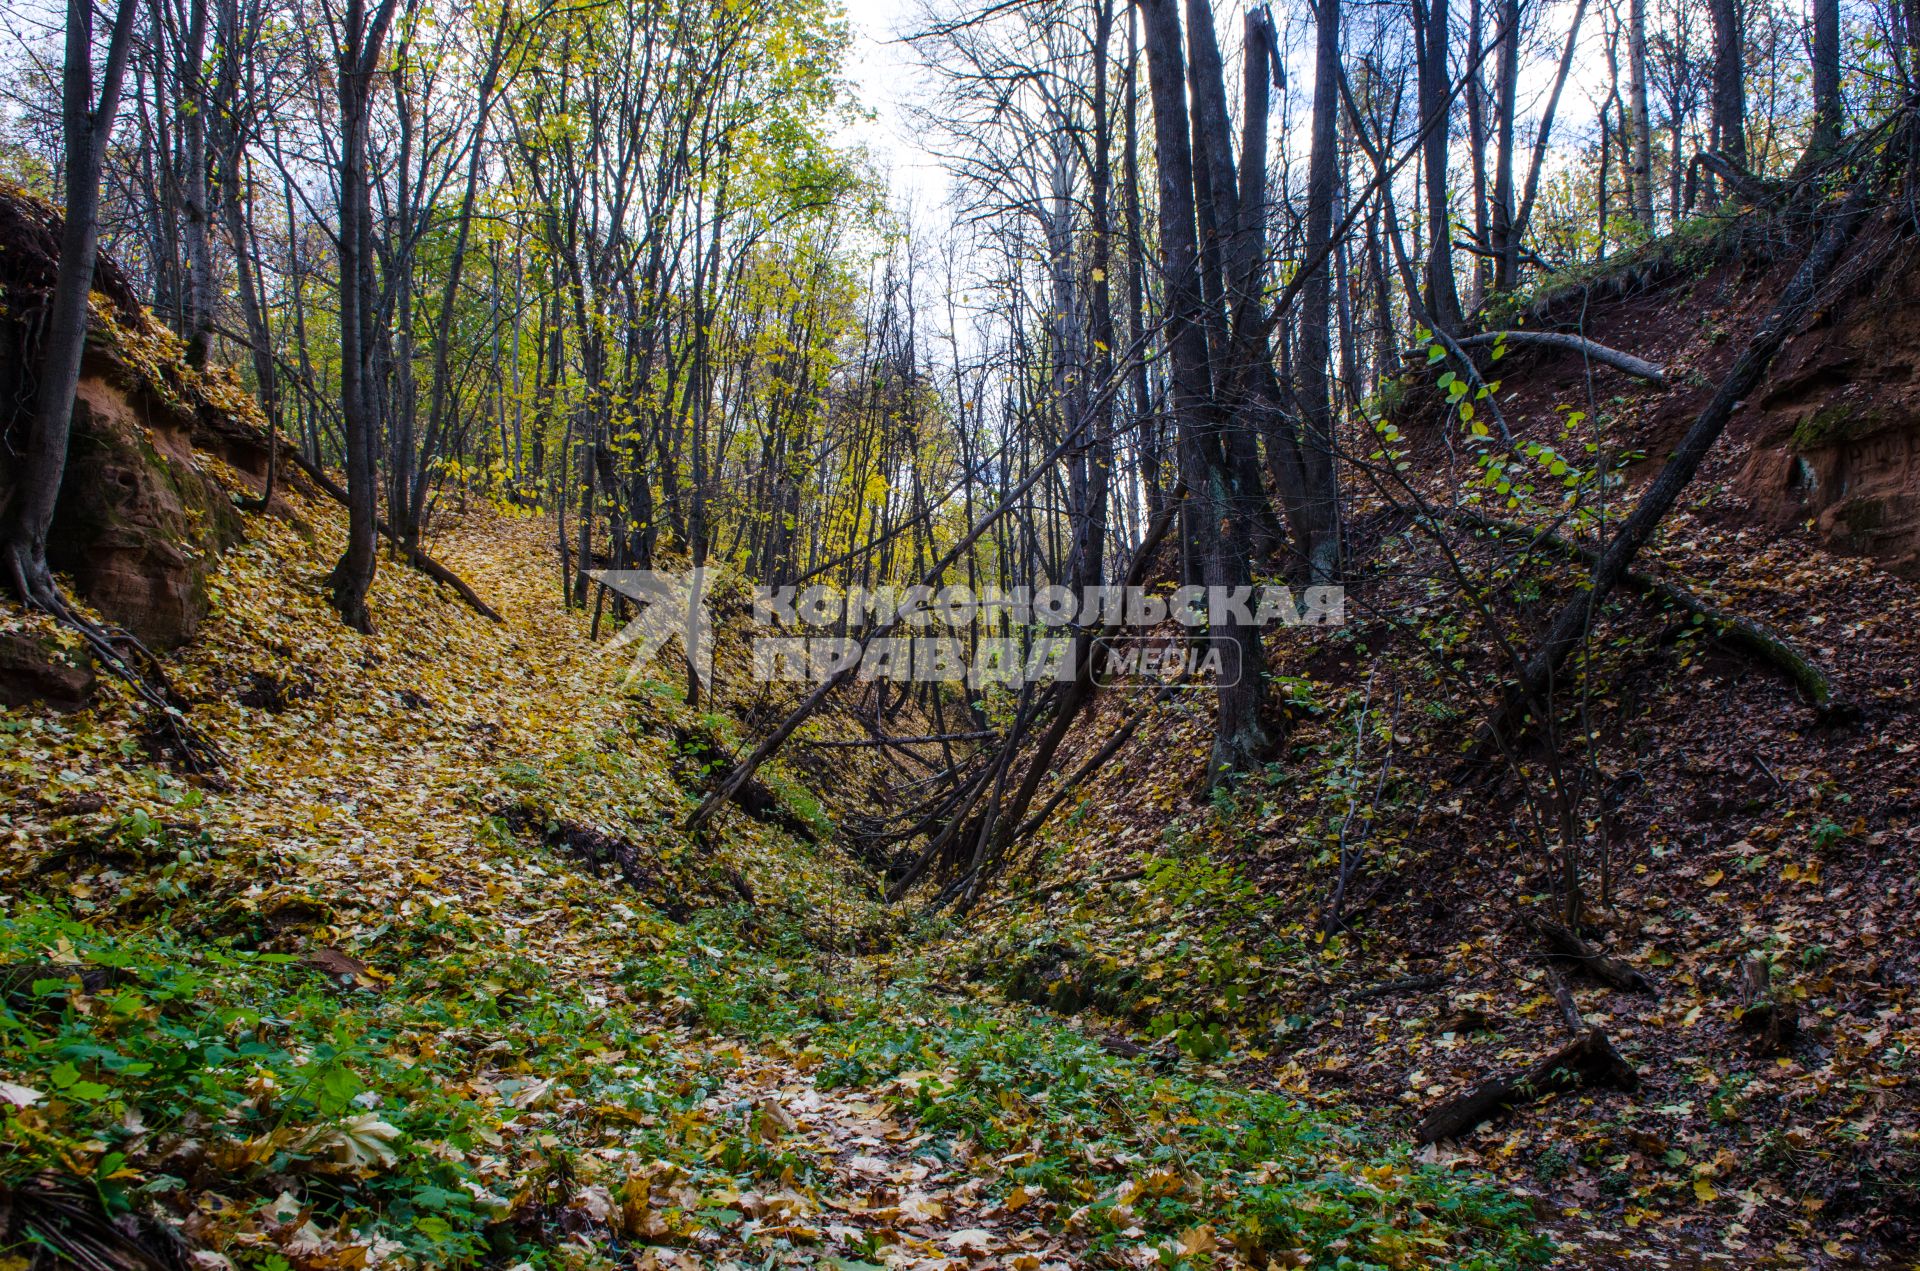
(1638, 367)
(1589, 1060)
(1571, 946)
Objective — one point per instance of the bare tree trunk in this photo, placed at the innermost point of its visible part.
(87, 122)
(1231, 274)
(1729, 81)
(357, 53)
(1255, 387)
(1443, 295)
(1640, 128)
(1239, 737)
(1089, 553)
(195, 220)
(1826, 78)
(1501, 239)
(1477, 131)
(1147, 428)
(1323, 556)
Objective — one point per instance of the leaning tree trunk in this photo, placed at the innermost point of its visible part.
(1532, 691)
(87, 123)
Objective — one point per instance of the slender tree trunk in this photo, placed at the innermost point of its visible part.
(1147, 429)
(87, 123)
(196, 218)
(1729, 81)
(1640, 128)
(358, 54)
(1501, 240)
(1090, 549)
(1477, 133)
(1431, 30)
(1316, 400)
(1826, 78)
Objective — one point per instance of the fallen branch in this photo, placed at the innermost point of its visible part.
(1637, 367)
(1587, 1060)
(1568, 944)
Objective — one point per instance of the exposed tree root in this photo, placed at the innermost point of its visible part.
(122, 653)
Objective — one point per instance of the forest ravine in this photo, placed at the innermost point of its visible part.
(1305, 658)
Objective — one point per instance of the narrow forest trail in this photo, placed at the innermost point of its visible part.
(888, 1187)
(491, 997)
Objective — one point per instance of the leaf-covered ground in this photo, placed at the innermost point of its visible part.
(428, 976)
(1742, 825)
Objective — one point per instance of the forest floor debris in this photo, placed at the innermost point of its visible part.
(368, 1009)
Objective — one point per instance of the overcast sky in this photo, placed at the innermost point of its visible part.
(886, 78)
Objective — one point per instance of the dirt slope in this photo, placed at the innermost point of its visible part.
(1739, 824)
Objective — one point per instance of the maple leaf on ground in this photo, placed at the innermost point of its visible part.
(363, 1143)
